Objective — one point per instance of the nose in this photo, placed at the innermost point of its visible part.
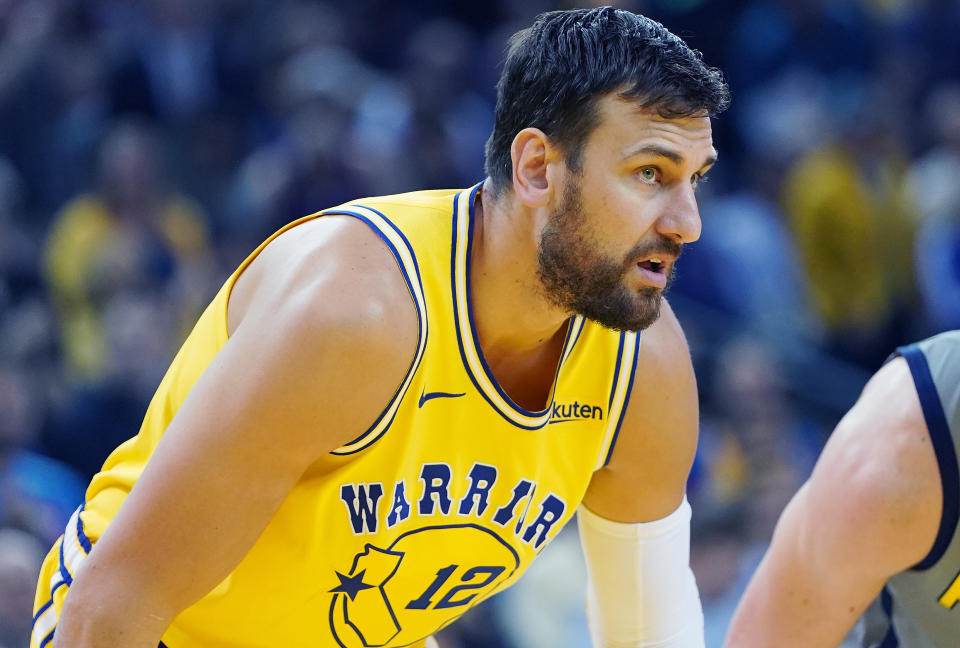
(681, 219)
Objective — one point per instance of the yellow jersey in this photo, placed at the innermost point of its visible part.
(444, 501)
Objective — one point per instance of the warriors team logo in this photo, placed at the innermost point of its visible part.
(418, 584)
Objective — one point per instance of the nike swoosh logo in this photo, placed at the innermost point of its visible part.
(425, 396)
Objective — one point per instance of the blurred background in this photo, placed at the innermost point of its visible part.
(147, 146)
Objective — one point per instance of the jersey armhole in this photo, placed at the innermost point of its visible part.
(402, 251)
(226, 290)
(623, 373)
(944, 448)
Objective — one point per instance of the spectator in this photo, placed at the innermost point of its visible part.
(135, 233)
(850, 210)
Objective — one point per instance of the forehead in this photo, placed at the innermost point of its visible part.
(624, 126)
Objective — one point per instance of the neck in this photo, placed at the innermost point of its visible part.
(511, 313)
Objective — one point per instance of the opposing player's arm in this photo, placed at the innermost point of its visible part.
(323, 332)
(871, 509)
(635, 522)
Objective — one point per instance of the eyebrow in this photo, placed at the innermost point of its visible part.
(673, 156)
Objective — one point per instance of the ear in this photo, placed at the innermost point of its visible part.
(535, 169)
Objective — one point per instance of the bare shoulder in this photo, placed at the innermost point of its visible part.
(329, 296)
(882, 446)
(878, 475)
(658, 437)
(664, 350)
(663, 408)
(336, 267)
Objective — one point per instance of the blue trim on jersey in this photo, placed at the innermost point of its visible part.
(65, 579)
(626, 398)
(616, 373)
(577, 323)
(81, 536)
(64, 574)
(473, 333)
(583, 325)
(943, 446)
(456, 315)
(886, 602)
(421, 319)
(46, 605)
(470, 319)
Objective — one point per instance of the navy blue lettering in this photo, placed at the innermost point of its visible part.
(400, 510)
(575, 410)
(550, 511)
(361, 502)
(436, 482)
(482, 477)
(506, 513)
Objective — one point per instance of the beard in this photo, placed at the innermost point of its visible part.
(577, 277)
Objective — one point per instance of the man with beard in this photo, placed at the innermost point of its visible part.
(393, 405)
(867, 553)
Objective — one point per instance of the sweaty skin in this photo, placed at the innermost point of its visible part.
(322, 332)
(871, 509)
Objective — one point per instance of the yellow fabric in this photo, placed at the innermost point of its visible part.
(466, 487)
(47, 601)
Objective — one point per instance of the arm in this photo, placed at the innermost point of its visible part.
(635, 523)
(323, 331)
(658, 440)
(871, 509)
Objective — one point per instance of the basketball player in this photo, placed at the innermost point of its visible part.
(868, 548)
(392, 406)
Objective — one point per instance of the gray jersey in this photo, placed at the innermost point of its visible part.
(920, 607)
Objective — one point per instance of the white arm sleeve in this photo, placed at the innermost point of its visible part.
(641, 592)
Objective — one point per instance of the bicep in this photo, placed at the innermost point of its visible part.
(811, 586)
(870, 509)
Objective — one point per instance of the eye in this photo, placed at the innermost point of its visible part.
(649, 175)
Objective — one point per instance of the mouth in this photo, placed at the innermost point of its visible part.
(653, 270)
(654, 264)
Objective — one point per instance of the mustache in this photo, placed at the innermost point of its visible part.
(660, 245)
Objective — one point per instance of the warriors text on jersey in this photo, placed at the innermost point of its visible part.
(920, 607)
(445, 500)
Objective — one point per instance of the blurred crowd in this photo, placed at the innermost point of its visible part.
(147, 146)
